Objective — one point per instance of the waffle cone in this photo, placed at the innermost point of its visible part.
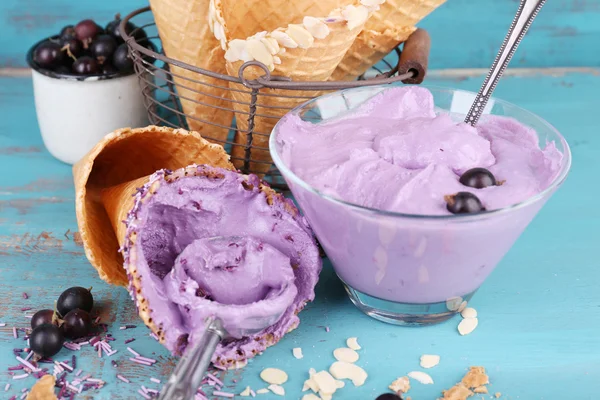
(248, 17)
(136, 279)
(110, 173)
(315, 63)
(185, 35)
(388, 27)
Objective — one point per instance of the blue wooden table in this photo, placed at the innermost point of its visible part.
(539, 311)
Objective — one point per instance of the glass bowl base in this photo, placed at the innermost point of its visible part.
(407, 314)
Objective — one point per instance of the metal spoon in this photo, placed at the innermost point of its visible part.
(528, 10)
(187, 376)
(186, 379)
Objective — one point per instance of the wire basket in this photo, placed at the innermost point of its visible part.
(171, 89)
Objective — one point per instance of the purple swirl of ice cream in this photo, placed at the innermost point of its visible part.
(396, 153)
(206, 241)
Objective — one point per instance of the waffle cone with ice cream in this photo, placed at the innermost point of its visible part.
(141, 187)
(124, 156)
(388, 27)
(186, 37)
(308, 48)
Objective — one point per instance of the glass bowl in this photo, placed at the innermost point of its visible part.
(414, 269)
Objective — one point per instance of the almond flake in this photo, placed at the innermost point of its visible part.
(316, 27)
(467, 326)
(274, 376)
(310, 384)
(344, 370)
(400, 385)
(246, 392)
(345, 354)
(353, 343)
(453, 303)
(284, 39)
(278, 390)
(297, 352)
(310, 396)
(43, 389)
(469, 313)
(429, 360)
(237, 51)
(481, 390)
(262, 391)
(421, 377)
(271, 44)
(311, 372)
(325, 396)
(259, 52)
(355, 16)
(325, 381)
(300, 36)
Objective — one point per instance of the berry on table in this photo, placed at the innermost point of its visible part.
(463, 203)
(76, 324)
(73, 298)
(41, 317)
(46, 340)
(388, 396)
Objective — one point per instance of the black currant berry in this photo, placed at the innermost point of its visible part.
(73, 298)
(478, 178)
(41, 317)
(46, 340)
(463, 203)
(76, 324)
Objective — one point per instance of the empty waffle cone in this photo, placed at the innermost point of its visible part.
(387, 27)
(186, 36)
(124, 159)
(312, 60)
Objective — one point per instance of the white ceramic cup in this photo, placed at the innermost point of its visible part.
(74, 113)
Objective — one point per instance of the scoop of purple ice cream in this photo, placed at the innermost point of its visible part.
(204, 242)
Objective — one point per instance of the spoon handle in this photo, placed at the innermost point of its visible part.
(528, 10)
(190, 370)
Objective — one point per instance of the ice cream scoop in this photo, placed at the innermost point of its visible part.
(216, 264)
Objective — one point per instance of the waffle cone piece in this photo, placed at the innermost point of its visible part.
(313, 59)
(124, 159)
(388, 27)
(185, 35)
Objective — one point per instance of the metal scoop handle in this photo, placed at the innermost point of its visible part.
(528, 10)
(187, 377)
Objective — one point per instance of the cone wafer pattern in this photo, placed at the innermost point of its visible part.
(185, 35)
(387, 27)
(303, 52)
(121, 157)
(248, 17)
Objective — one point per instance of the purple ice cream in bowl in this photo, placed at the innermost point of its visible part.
(413, 207)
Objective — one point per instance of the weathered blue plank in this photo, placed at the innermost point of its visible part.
(465, 33)
(539, 311)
